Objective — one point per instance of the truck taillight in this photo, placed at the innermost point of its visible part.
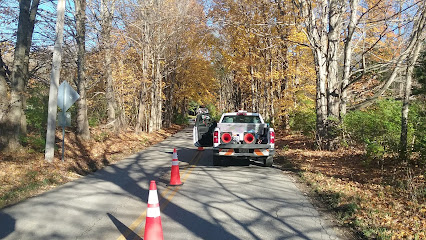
(216, 137)
(226, 137)
(272, 137)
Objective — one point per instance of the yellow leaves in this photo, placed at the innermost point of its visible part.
(196, 80)
(127, 73)
(297, 36)
(258, 75)
(262, 53)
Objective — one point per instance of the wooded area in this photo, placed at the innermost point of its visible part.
(141, 64)
(347, 74)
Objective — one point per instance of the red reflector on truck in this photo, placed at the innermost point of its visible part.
(248, 138)
(272, 137)
(226, 137)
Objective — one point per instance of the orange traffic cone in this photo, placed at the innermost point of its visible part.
(153, 228)
(175, 176)
(200, 149)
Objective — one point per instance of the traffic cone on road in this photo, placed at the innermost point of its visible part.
(175, 176)
(153, 228)
(200, 149)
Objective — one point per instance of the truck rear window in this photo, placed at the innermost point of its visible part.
(241, 119)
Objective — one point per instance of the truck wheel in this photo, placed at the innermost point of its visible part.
(217, 161)
(268, 161)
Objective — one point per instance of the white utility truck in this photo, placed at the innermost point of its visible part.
(237, 135)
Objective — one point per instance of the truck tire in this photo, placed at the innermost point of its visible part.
(217, 161)
(267, 162)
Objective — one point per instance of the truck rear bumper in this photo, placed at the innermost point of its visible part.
(244, 146)
(252, 152)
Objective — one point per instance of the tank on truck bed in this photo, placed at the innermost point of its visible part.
(238, 135)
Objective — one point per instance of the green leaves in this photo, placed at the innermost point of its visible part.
(379, 127)
(303, 120)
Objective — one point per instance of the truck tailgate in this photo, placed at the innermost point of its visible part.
(241, 128)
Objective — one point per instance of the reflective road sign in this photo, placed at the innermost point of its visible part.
(66, 96)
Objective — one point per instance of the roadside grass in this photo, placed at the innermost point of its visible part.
(25, 173)
(28, 187)
(375, 201)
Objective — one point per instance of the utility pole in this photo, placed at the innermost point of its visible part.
(54, 83)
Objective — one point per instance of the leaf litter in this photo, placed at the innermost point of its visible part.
(25, 173)
(377, 201)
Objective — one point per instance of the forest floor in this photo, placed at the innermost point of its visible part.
(383, 200)
(375, 200)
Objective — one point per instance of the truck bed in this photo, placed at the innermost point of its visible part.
(241, 128)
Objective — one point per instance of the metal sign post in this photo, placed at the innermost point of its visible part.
(64, 119)
(66, 98)
(63, 143)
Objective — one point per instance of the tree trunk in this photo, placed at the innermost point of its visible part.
(169, 101)
(141, 119)
(348, 56)
(3, 102)
(272, 97)
(54, 83)
(416, 35)
(406, 101)
(107, 12)
(141, 122)
(333, 86)
(183, 106)
(3, 89)
(110, 96)
(153, 116)
(16, 116)
(316, 24)
(82, 120)
(253, 90)
(321, 100)
(159, 93)
(265, 98)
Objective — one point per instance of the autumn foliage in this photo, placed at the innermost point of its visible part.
(338, 72)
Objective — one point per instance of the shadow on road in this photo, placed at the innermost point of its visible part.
(125, 231)
(186, 218)
(130, 180)
(248, 203)
(202, 228)
(7, 224)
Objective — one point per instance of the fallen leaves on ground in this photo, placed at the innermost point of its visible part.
(25, 173)
(384, 200)
(380, 201)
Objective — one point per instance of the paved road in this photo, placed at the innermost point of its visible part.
(239, 201)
